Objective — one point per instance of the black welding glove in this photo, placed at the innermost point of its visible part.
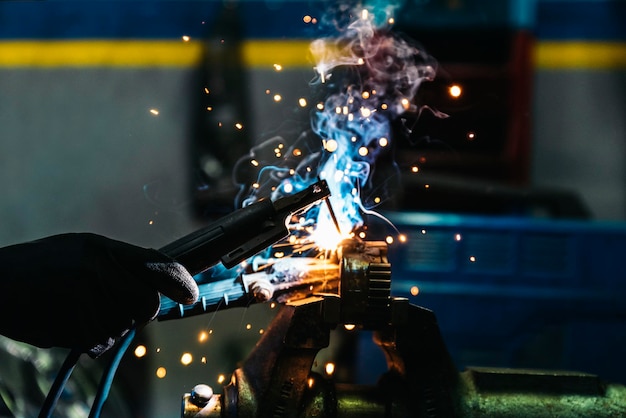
(84, 291)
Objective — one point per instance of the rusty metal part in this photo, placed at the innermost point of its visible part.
(365, 279)
(276, 380)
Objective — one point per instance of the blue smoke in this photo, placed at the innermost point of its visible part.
(367, 76)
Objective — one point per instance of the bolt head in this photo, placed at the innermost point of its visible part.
(201, 394)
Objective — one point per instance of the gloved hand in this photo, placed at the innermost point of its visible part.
(84, 291)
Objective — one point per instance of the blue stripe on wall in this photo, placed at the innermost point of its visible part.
(156, 19)
(171, 19)
(581, 20)
(104, 19)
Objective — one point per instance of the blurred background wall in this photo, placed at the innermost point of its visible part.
(578, 103)
(122, 118)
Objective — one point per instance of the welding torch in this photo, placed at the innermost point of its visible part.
(231, 240)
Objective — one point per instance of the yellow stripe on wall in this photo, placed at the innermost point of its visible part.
(580, 55)
(258, 53)
(135, 53)
(99, 53)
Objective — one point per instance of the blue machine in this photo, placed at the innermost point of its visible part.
(519, 292)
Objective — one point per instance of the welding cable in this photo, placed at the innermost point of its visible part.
(107, 379)
(59, 383)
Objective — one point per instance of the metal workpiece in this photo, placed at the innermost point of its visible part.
(276, 380)
(365, 283)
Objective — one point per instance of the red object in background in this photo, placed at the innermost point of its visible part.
(486, 138)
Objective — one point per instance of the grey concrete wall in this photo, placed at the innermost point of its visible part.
(579, 138)
(81, 151)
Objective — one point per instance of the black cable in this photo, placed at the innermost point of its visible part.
(59, 383)
(107, 379)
